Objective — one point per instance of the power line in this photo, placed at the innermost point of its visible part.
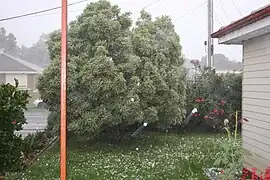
(194, 9)
(236, 7)
(39, 12)
(216, 19)
(147, 6)
(56, 13)
(222, 8)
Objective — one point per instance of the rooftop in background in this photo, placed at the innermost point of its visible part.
(10, 63)
(255, 16)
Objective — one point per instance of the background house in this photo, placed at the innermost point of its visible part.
(253, 32)
(12, 67)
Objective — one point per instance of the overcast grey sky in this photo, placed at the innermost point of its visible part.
(190, 24)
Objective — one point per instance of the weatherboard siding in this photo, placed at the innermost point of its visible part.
(256, 102)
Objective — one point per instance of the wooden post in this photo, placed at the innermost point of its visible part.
(63, 124)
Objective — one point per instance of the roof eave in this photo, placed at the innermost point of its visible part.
(253, 17)
(251, 31)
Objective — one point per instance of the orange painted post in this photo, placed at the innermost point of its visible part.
(63, 123)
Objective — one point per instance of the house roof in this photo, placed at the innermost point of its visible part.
(251, 18)
(11, 63)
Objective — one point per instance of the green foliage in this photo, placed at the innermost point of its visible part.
(8, 42)
(12, 105)
(216, 96)
(160, 71)
(34, 143)
(117, 77)
(230, 158)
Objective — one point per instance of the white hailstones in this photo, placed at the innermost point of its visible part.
(137, 149)
(145, 124)
(195, 110)
(132, 99)
(226, 122)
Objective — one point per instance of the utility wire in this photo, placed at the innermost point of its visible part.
(216, 19)
(194, 9)
(222, 8)
(147, 6)
(236, 7)
(56, 13)
(39, 12)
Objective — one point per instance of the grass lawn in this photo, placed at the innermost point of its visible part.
(154, 157)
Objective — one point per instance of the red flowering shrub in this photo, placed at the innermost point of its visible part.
(215, 96)
(12, 104)
(252, 174)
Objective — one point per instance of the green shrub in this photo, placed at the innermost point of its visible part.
(230, 158)
(34, 143)
(12, 105)
(216, 96)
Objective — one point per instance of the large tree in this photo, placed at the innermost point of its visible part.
(37, 53)
(117, 77)
(161, 69)
(8, 42)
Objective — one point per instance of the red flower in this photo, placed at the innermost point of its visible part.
(222, 102)
(221, 112)
(267, 173)
(196, 114)
(215, 111)
(222, 171)
(211, 113)
(244, 174)
(200, 100)
(14, 122)
(253, 172)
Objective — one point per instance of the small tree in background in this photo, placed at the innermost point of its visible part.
(116, 77)
(12, 105)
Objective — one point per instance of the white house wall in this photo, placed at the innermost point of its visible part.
(256, 102)
(22, 78)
